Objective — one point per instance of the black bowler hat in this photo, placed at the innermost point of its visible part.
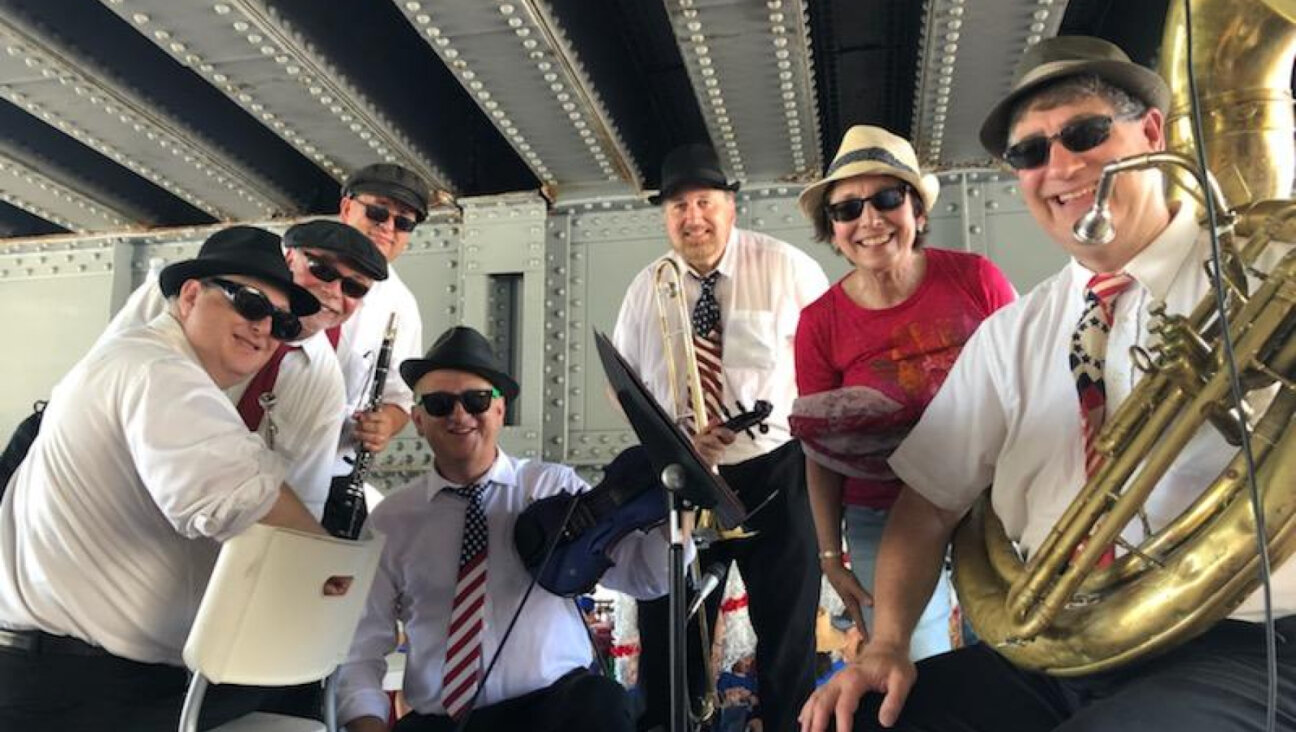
(240, 250)
(694, 164)
(393, 181)
(345, 241)
(461, 349)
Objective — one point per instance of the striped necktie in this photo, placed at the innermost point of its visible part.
(461, 674)
(1088, 355)
(707, 345)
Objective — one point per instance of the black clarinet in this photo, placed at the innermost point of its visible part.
(346, 510)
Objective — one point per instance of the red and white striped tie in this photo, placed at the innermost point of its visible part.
(1088, 356)
(462, 671)
(707, 345)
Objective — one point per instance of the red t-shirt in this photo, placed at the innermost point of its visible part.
(904, 352)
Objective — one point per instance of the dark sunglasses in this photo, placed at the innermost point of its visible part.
(1079, 136)
(326, 271)
(380, 214)
(887, 199)
(253, 305)
(442, 403)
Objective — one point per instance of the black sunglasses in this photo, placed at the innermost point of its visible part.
(253, 305)
(380, 214)
(442, 403)
(1079, 136)
(326, 271)
(887, 199)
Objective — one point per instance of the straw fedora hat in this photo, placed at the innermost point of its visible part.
(868, 150)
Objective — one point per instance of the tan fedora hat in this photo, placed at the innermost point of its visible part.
(1063, 56)
(868, 150)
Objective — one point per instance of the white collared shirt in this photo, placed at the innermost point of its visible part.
(309, 400)
(110, 528)
(1008, 413)
(764, 283)
(423, 525)
(362, 337)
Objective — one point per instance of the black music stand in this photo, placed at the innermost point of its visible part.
(689, 484)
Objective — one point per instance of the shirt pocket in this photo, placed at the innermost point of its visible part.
(751, 340)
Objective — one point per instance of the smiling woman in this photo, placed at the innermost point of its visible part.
(871, 353)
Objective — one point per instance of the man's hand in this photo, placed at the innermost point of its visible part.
(375, 429)
(850, 590)
(711, 443)
(883, 668)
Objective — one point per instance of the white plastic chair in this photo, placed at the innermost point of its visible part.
(265, 621)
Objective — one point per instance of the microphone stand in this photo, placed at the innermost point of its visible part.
(672, 478)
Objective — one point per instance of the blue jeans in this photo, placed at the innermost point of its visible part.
(863, 537)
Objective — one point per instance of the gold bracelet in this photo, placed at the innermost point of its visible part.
(829, 554)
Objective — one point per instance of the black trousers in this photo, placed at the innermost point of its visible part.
(781, 570)
(53, 692)
(578, 702)
(1214, 683)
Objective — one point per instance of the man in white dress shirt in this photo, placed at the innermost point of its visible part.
(760, 285)
(110, 527)
(542, 681)
(385, 202)
(1009, 417)
(338, 265)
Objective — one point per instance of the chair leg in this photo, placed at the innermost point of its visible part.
(330, 702)
(193, 704)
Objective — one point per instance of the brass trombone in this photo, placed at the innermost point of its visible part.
(687, 400)
(685, 379)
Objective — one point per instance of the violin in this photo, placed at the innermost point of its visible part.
(584, 527)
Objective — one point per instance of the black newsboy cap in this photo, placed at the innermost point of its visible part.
(393, 181)
(345, 241)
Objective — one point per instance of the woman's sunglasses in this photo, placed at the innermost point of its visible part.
(326, 271)
(442, 403)
(252, 305)
(887, 199)
(380, 214)
(1079, 136)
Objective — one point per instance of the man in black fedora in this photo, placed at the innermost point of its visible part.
(142, 467)
(451, 574)
(296, 402)
(745, 292)
(1038, 385)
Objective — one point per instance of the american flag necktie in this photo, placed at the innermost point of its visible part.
(707, 345)
(462, 671)
(1088, 355)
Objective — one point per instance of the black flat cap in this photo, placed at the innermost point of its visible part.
(394, 182)
(240, 250)
(345, 241)
(461, 349)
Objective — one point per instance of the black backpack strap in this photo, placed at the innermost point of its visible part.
(19, 444)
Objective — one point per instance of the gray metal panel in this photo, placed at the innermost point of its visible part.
(506, 235)
(55, 301)
(610, 242)
(33, 191)
(752, 73)
(47, 80)
(966, 60)
(515, 61)
(245, 49)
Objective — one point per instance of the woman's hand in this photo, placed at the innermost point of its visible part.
(849, 589)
